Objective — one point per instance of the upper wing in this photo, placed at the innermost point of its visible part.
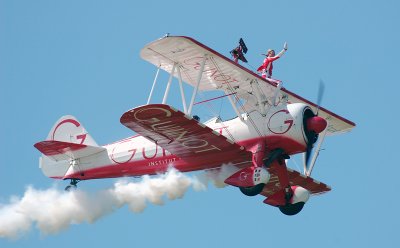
(221, 73)
(182, 135)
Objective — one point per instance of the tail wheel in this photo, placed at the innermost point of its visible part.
(252, 191)
(70, 187)
(292, 209)
(72, 184)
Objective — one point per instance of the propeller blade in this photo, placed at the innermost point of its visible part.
(321, 90)
(313, 126)
(308, 156)
(312, 137)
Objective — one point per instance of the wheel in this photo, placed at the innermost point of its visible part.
(252, 191)
(70, 187)
(292, 209)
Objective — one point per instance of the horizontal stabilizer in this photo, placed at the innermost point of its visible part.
(60, 150)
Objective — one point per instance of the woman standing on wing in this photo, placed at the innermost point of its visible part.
(267, 66)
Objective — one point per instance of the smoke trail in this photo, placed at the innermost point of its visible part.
(217, 176)
(53, 210)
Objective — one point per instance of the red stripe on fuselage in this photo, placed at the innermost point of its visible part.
(160, 164)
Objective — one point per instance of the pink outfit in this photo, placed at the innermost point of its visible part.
(267, 66)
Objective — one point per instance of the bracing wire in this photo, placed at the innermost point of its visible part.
(211, 108)
(236, 97)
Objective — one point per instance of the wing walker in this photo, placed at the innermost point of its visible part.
(270, 126)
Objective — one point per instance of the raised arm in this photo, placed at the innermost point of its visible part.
(280, 54)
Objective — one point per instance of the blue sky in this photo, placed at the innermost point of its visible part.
(82, 58)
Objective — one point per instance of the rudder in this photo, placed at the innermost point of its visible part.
(69, 129)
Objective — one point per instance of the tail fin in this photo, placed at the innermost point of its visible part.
(68, 140)
(69, 129)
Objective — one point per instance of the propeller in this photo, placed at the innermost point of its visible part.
(321, 90)
(313, 125)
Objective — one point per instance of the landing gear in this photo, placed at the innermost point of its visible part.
(277, 154)
(292, 209)
(286, 193)
(252, 191)
(72, 185)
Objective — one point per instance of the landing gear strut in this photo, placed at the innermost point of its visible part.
(275, 154)
(257, 189)
(72, 184)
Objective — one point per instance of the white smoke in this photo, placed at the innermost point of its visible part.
(218, 176)
(53, 210)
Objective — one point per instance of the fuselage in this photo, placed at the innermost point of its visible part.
(282, 127)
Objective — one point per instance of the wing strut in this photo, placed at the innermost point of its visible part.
(181, 89)
(261, 104)
(154, 84)
(234, 106)
(169, 84)
(197, 84)
(278, 89)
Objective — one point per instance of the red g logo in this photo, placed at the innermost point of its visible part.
(278, 117)
(81, 137)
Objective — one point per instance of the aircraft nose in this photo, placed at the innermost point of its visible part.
(316, 124)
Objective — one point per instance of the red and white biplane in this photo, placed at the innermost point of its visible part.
(272, 124)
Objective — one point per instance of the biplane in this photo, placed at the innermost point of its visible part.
(270, 125)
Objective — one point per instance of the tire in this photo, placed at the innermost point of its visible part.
(252, 191)
(292, 209)
(70, 187)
